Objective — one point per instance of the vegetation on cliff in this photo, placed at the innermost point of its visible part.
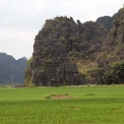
(114, 51)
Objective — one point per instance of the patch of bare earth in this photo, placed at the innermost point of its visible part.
(59, 96)
(75, 108)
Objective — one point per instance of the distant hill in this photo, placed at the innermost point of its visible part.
(106, 21)
(11, 70)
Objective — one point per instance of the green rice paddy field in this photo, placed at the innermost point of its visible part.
(87, 105)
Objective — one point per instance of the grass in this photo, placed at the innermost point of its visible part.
(90, 105)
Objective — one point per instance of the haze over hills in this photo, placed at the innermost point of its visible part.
(11, 70)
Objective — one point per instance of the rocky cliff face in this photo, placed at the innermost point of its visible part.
(113, 59)
(11, 70)
(73, 53)
(58, 46)
(115, 39)
(51, 65)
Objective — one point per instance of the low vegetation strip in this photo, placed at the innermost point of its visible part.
(90, 105)
(58, 96)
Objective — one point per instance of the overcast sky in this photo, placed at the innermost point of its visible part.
(20, 20)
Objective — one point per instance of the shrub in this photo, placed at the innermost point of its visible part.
(115, 74)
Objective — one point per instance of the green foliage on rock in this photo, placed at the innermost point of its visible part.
(115, 74)
(28, 74)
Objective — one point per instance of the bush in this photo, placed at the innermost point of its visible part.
(115, 74)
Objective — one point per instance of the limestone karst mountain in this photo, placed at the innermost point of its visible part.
(73, 53)
(57, 47)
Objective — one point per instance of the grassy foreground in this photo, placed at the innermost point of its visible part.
(89, 105)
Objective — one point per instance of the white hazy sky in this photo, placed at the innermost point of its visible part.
(20, 20)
